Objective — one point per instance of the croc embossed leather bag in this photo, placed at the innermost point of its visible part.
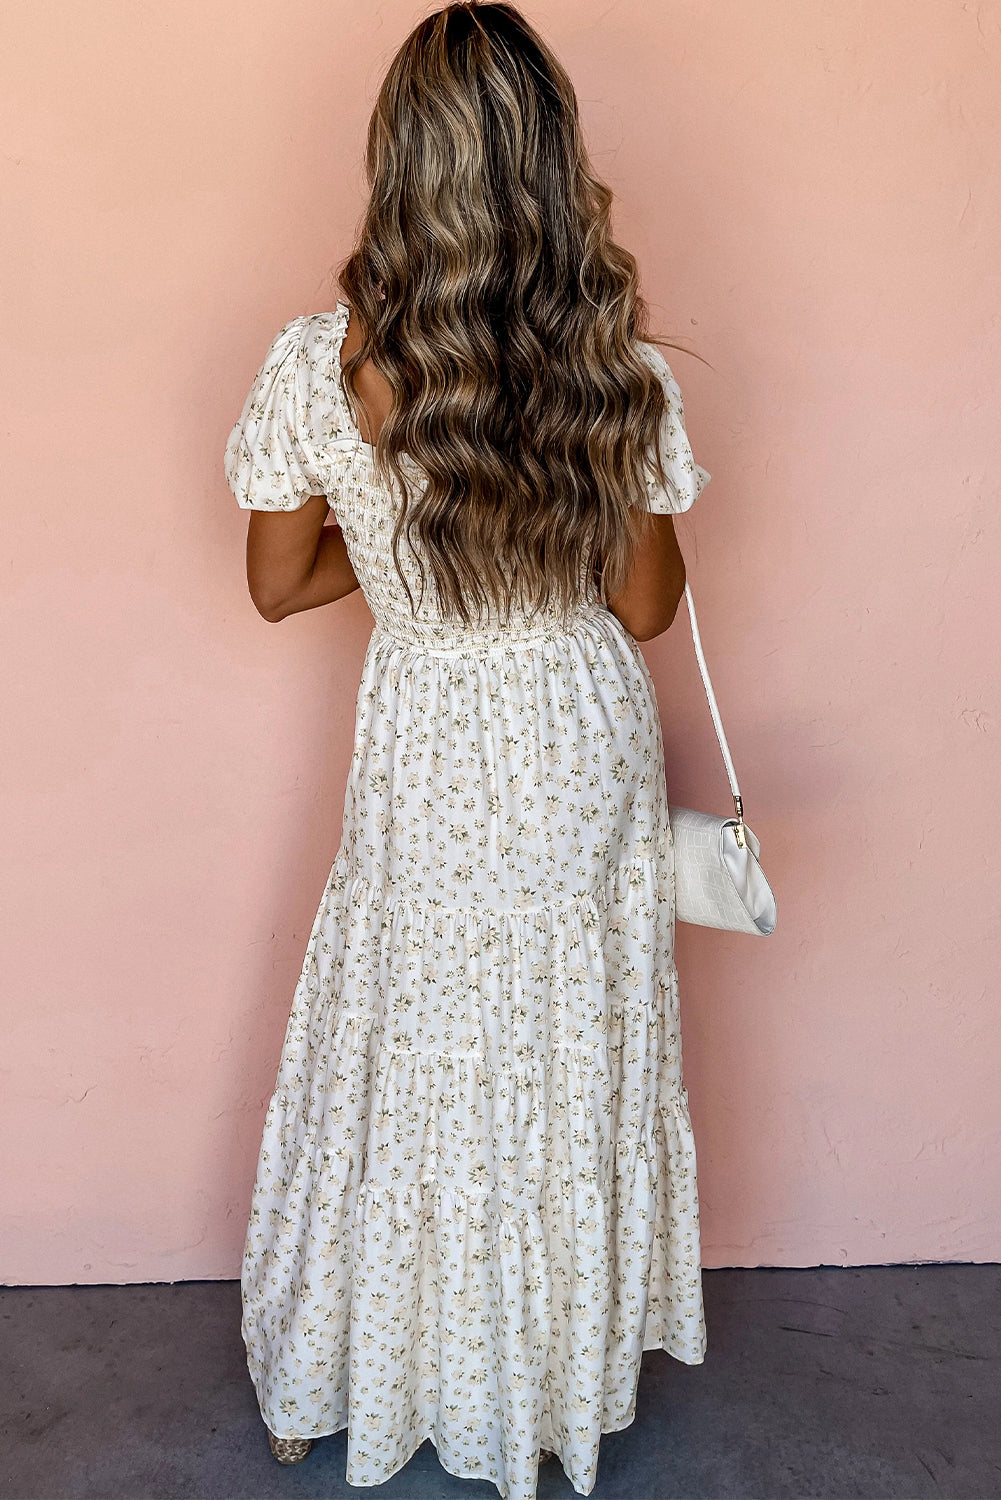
(718, 880)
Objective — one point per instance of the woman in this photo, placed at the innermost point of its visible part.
(476, 1200)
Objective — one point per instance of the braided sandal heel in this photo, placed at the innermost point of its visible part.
(289, 1450)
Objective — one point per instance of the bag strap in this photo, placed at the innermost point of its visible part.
(714, 710)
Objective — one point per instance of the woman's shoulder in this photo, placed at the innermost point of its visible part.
(685, 478)
(305, 346)
(652, 354)
(319, 336)
(294, 420)
(308, 350)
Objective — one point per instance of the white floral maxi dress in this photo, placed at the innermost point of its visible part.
(476, 1198)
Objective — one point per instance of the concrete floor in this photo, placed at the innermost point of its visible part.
(876, 1381)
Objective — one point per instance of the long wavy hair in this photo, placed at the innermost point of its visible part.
(495, 302)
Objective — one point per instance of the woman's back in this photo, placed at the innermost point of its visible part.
(298, 436)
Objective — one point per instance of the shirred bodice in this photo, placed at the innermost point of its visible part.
(366, 511)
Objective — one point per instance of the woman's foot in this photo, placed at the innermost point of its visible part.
(289, 1450)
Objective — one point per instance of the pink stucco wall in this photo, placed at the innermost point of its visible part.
(813, 194)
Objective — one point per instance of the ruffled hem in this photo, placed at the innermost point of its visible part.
(507, 1493)
(502, 1222)
(544, 1311)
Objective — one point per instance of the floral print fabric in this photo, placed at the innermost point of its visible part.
(476, 1199)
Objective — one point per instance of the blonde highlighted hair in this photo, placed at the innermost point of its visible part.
(504, 317)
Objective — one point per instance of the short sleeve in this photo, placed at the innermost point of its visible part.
(271, 459)
(685, 478)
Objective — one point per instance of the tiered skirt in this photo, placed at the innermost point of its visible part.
(476, 1201)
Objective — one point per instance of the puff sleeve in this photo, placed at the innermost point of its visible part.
(271, 459)
(685, 478)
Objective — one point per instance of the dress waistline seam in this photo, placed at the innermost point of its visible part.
(504, 640)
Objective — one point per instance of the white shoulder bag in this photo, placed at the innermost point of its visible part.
(718, 881)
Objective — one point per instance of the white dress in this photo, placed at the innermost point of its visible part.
(476, 1199)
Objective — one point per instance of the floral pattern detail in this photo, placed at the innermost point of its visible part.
(476, 1201)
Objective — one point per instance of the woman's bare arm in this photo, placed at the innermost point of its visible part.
(649, 602)
(295, 562)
